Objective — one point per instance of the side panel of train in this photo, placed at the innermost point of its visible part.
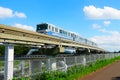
(58, 32)
(54, 31)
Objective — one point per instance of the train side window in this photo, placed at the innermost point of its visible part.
(68, 34)
(74, 35)
(65, 33)
(71, 35)
(52, 28)
(49, 27)
(60, 31)
(77, 36)
(38, 28)
(80, 39)
(86, 41)
(56, 29)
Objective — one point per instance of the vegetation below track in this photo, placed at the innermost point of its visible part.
(74, 73)
(18, 49)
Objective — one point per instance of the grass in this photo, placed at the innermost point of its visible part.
(75, 72)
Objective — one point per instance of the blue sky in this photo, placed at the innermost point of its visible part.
(96, 20)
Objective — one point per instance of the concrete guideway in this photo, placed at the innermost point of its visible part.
(110, 72)
(20, 36)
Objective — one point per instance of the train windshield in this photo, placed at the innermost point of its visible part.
(42, 27)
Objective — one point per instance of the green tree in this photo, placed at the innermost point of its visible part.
(18, 50)
(21, 49)
(2, 50)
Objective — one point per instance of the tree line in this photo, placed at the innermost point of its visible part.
(18, 50)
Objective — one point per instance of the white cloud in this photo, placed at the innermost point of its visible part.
(103, 30)
(24, 27)
(96, 26)
(20, 15)
(5, 12)
(8, 13)
(109, 42)
(98, 13)
(107, 23)
(109, 32)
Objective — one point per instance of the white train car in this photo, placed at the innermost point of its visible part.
(53, 30)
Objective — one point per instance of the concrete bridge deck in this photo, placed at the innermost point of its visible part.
(15, 35)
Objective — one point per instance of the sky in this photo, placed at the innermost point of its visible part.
(96, 20)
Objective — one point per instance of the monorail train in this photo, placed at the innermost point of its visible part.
(53, 30)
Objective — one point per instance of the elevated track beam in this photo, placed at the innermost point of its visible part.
(10, 34)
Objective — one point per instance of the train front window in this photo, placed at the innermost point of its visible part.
(42, 27)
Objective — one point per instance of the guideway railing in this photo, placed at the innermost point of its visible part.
(30, 67)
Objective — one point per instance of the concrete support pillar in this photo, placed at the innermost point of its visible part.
(9, 62)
